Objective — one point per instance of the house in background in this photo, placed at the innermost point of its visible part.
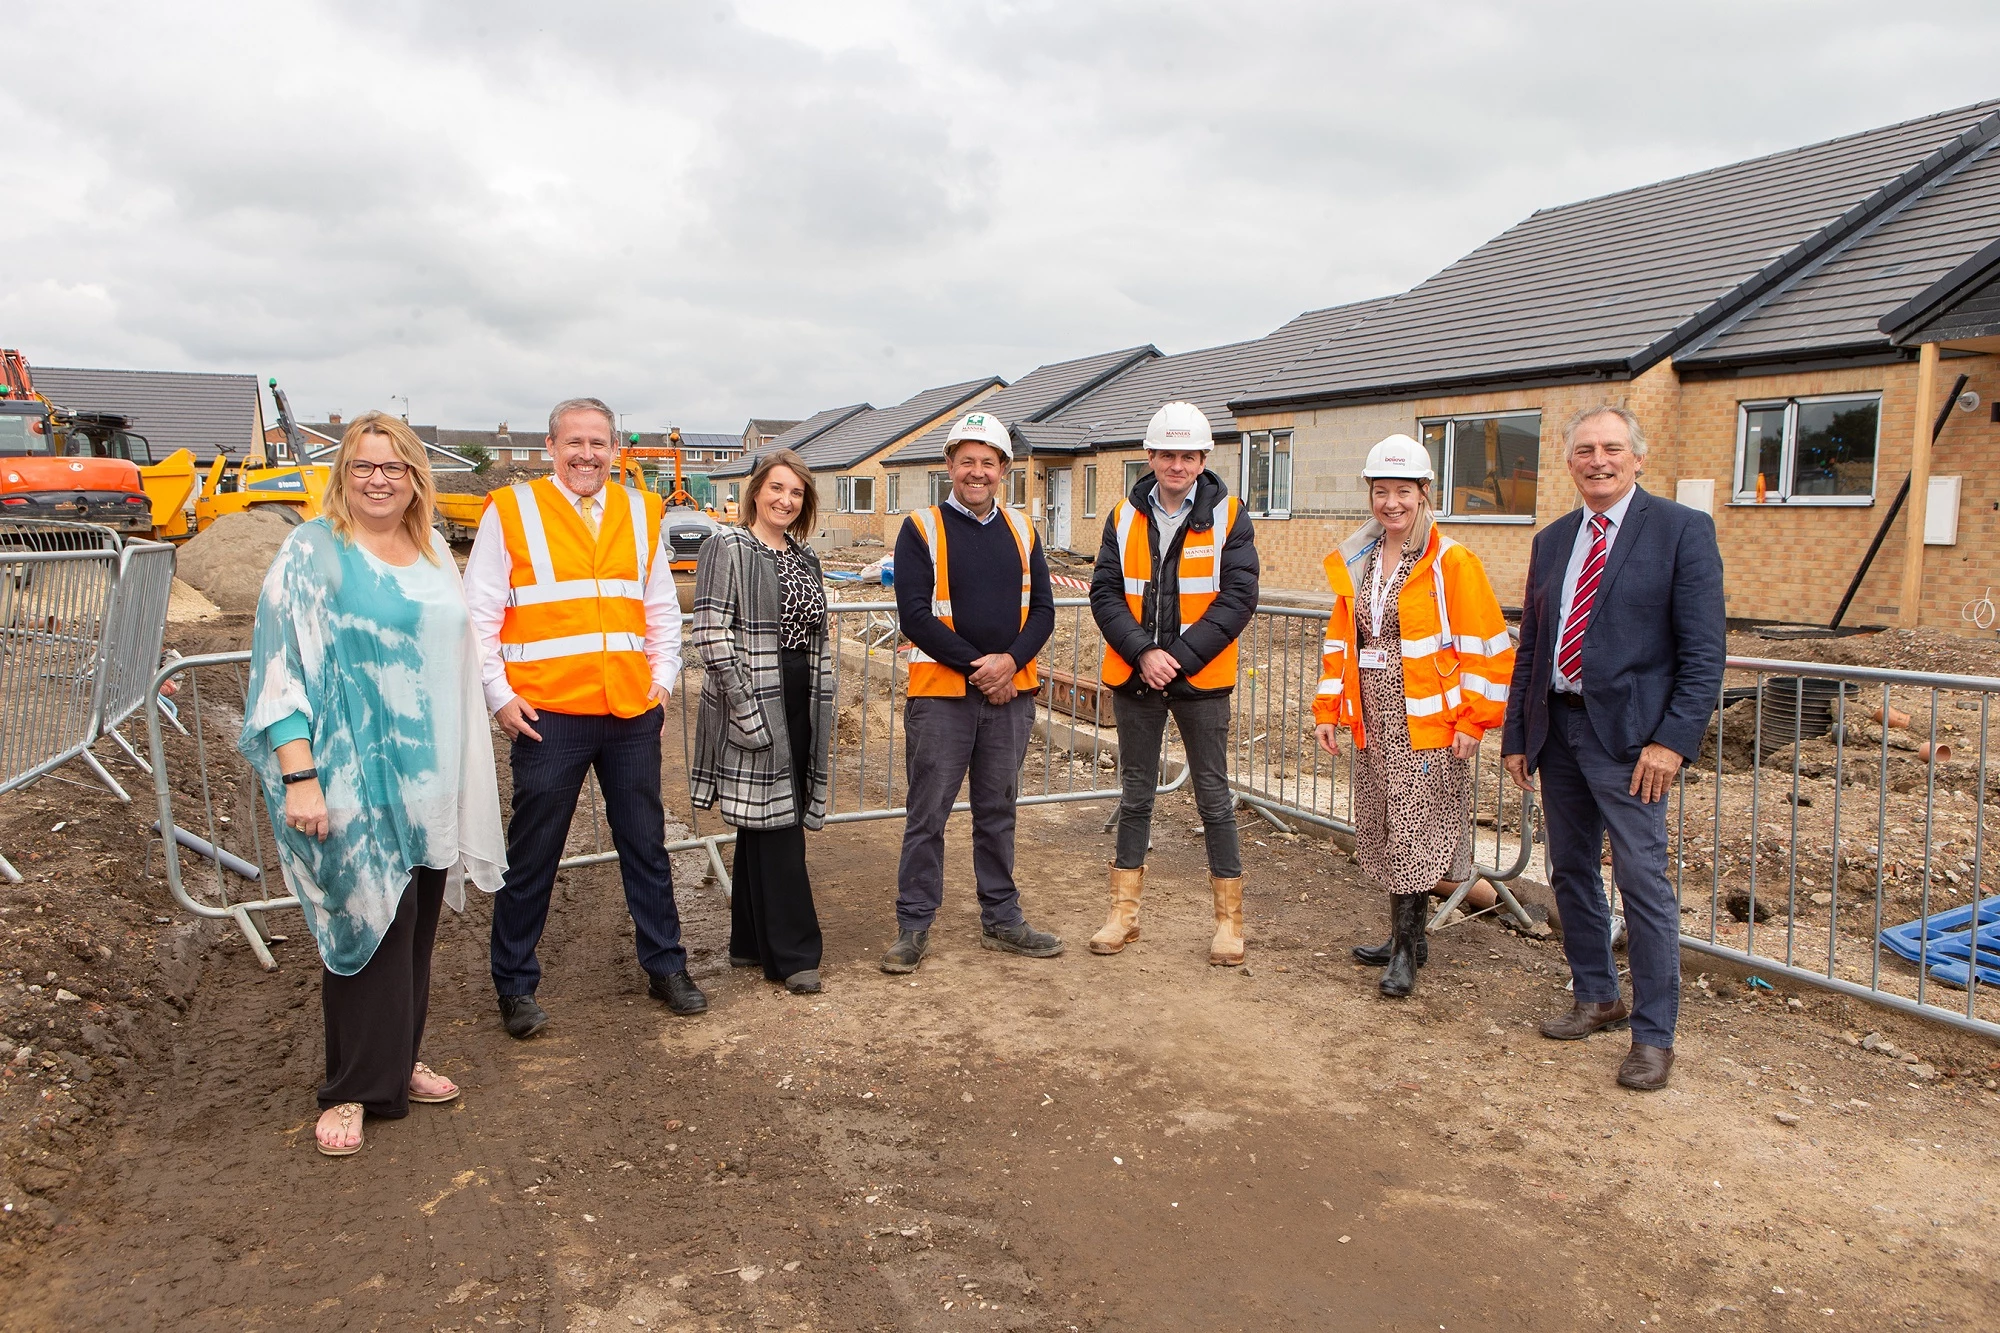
(762, 432)
(728, 479)
(846, 458)
(1737, 311)
(203, 413)
(914, 475)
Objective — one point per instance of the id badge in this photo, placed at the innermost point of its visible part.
(1374, 659)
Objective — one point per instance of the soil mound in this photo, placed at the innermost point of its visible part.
(226, 563)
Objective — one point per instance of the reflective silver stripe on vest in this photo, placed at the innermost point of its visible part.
(533, 534)
(641, 553)
(1331, 685)
(1423, 647)
(1196, 584)
(1024, 538)
(573, 645)
(1493, 647)
(1135, 587)
(1483, 687)
(927, 524)
(574, 590)
(1123, 517)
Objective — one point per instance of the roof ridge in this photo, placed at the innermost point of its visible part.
(1853, 222)
(1840, 248)
(1993, 103)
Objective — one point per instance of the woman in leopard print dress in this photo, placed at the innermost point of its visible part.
(1426, 678)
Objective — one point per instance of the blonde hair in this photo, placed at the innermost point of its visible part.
(801, 526)
(409, 449)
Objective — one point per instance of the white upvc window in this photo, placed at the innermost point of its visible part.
(1090, 490)
(1808, 451)
(854, 495)
(892, 493)
(1488, 466)
(1265, 482)
(940, 487)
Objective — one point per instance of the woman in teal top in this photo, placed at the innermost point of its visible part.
(367, 726)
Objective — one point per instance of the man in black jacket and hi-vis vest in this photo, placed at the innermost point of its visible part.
(1175, 583)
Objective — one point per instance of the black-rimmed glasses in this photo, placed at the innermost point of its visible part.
(360, 469)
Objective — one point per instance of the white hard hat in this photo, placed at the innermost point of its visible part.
(986, 429)
(1179, 426)
(1399, 456)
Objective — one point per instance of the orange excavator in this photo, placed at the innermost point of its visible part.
(80, 467)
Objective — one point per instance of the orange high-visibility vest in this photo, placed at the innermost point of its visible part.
(574, 633)
(1457, 656)
(930, 678)
(1200, 579)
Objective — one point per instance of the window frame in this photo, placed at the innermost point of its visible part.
(1090, 490)
(940, 487)
(1017, 488)
(892, 493)
(1442, 487)
(1143, 465)
(1743, 484)
(843, 490)
(1243, 472)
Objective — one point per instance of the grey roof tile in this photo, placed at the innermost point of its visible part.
(1040, 393)
(1208, 377)
(1837, 305)
(870, 432)
(800, 434)
(1614, 283)
(172, 409)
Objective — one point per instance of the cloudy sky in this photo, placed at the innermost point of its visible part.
(705, 211)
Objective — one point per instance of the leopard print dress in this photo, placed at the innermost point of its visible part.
(1412, 808)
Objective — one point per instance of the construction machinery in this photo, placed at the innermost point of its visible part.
(88, 467)
(289, 484)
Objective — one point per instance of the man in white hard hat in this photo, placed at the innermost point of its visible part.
(1175, 583)
(972, 590)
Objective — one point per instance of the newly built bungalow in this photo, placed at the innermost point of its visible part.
(1739, 312)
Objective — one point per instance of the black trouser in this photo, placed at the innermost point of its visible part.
(771, 916)
(548, 777)
(375, 1018)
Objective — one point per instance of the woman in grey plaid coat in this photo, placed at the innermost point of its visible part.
(762, 738)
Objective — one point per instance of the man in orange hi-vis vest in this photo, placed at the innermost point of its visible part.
(572, 599)
(1174, 585)
(973, 595)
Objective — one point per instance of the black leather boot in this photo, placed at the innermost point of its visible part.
(1406, 932)
(1377, 955)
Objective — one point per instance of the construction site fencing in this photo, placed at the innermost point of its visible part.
(82, 615)
(1833, 832)
(1279, 770)
(211, 805)
(1830, 809)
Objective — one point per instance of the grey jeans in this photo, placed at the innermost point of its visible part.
(1204, 725)
(945, 739)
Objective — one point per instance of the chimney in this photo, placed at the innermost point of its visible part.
(333, 418)
(503, 428)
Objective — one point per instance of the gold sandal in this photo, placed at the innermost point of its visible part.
(432, 1098)
(350, 1118)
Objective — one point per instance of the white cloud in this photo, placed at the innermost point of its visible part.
(702, 211)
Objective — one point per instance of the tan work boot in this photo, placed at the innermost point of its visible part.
(1123, 926)
(1227, 949)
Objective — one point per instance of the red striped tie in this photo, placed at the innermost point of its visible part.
(1569, 653)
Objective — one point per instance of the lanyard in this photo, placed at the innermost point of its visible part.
(1376, 603)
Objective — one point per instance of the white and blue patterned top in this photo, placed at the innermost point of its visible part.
(378, 666)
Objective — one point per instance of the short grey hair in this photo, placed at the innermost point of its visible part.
(1633, 430)
(569, 405)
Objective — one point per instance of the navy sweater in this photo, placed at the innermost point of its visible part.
(985, 593)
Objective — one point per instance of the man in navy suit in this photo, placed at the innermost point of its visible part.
(1618, 671)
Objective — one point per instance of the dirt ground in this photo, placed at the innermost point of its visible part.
(1140, 1142)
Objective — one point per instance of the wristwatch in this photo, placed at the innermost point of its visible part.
(303, 775)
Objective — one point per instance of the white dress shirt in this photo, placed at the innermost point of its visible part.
(1579, 552)
(487, 582)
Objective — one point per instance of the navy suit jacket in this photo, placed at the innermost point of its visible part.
(1655, 645)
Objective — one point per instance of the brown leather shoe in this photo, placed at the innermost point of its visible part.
(1586, 1018)
(1646, 1068)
